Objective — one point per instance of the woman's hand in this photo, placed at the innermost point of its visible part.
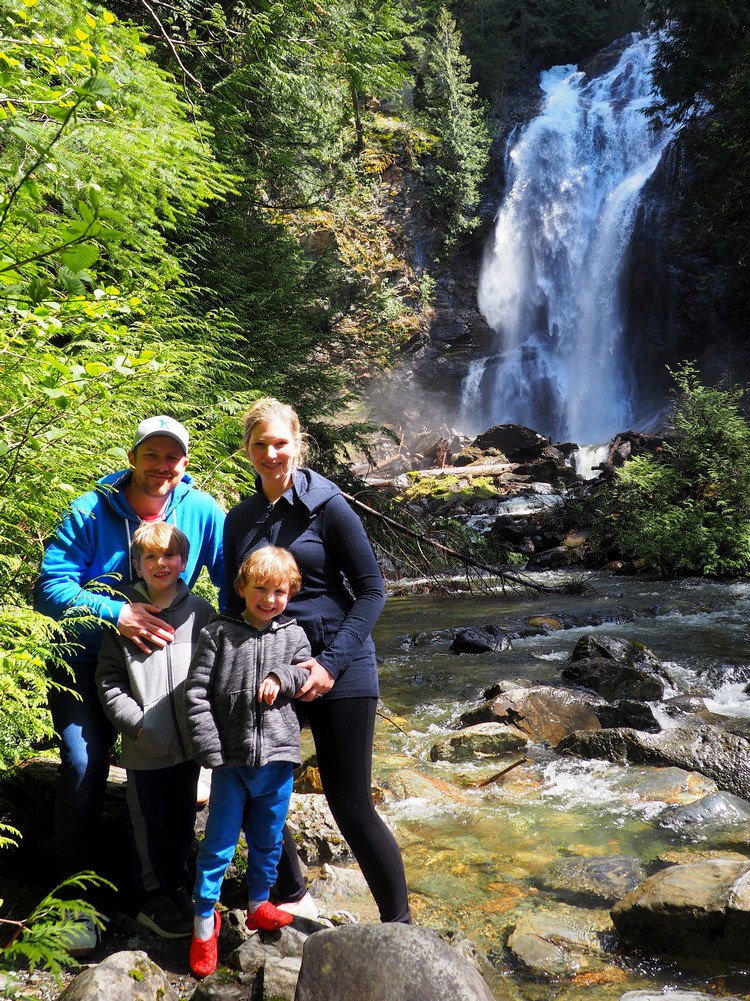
(318, 683)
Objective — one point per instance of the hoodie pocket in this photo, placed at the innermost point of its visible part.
(157, 737)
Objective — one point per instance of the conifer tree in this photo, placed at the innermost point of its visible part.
(453, 111)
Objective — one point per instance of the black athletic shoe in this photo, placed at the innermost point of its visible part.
(162, 915)
(184, 902)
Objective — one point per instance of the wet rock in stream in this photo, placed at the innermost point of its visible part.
(480, 639)
(615, 681)
(628, 713)
(476, 742)
(604, 880)
(544, 713)
(550, 942)
(714, 811)
(697, 910)
(720, 755)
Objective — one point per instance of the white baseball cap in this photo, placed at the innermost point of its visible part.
(161, 425)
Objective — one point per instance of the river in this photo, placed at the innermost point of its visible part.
(477, 858)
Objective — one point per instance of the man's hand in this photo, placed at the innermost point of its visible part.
(139, 623)
(319, 682)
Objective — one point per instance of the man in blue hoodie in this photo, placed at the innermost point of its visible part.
(84, 567)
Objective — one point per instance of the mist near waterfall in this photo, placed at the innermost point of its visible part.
(550, 283)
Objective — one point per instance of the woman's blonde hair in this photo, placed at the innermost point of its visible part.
(270, 409)
(269, 565)
(159, 535)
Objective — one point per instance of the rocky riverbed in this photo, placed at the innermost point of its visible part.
(567, 778)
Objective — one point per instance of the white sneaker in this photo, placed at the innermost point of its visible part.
(83, 940)
(204, 786)
(305, 907)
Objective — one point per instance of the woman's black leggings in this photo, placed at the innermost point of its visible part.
(343, 732)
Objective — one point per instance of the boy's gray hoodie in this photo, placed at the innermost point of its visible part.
(226, 723)
(144, 691)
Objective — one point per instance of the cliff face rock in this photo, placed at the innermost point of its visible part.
(425, 386)
(677, 301)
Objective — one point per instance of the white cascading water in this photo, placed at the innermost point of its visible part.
(550, 282)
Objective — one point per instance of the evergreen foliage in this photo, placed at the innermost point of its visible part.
(688, 511)
(508, 39)
(459, 162)
(42, 939)
(285, 255)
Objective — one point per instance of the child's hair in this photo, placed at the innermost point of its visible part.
(159, 535)
(270, 565)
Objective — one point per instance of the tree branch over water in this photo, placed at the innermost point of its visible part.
(507, 577)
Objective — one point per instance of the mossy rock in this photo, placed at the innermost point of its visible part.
(449, 489)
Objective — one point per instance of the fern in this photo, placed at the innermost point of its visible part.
(43, 938)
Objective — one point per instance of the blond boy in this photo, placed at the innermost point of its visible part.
(242, 723)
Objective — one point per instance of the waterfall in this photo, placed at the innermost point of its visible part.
(550, 282)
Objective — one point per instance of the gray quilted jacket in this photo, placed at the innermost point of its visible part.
(226, 723)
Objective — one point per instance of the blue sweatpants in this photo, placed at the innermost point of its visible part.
(268, 788)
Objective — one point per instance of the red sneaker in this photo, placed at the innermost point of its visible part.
(204, 952)
(268, 918)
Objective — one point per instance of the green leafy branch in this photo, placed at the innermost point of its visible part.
(43, 939)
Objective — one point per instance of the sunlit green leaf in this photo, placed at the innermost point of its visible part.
(80, 257)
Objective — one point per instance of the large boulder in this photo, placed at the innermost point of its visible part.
(546, 714)
(475, 743)
(722, 756)
(613, 680)
(126, 976)
(622, 651)
(515, 441)
(386, 962)
(480, 639)
(558, 556)
(699, 910)
(628, 712)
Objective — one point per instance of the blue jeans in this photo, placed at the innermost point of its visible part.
(86, 737)
(268, 788)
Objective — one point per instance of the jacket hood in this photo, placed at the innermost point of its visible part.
(312, 490)
(280, 622)
(110, 486)
(139, 592)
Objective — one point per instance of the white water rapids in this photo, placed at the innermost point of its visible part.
(550, 284)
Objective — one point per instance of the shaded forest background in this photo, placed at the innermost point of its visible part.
(203, 204)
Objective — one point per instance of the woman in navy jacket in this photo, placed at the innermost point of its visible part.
(341, 597)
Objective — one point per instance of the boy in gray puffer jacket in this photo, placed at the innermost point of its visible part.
(242, 723)
(142, 696)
